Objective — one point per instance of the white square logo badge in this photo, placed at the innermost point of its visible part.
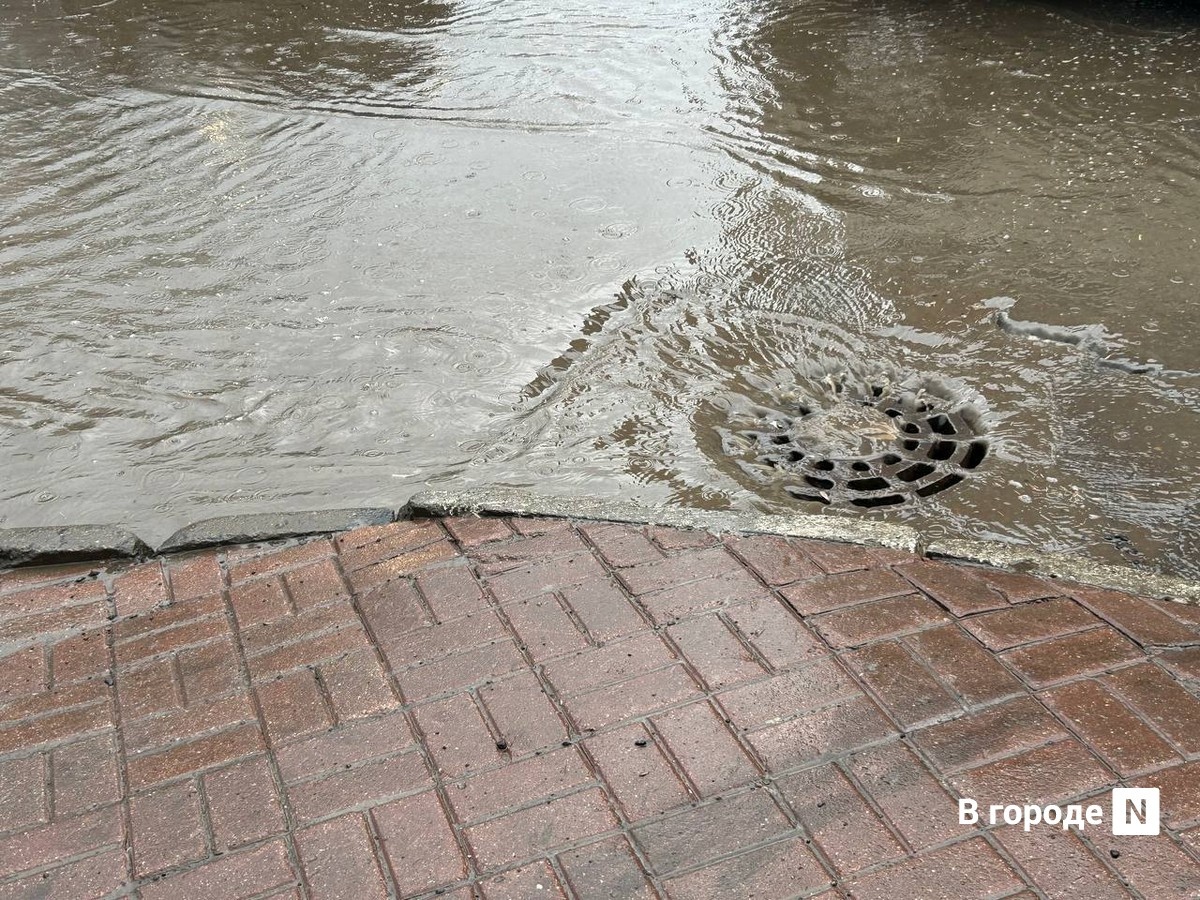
(1135, 811)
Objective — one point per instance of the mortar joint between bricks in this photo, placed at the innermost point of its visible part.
(323, 693)
(426, 606)
(577, 739)
(192, 865)
(626, 827)
(288, 597)
(664, 747)
(48, 784)
(489, 721)
(123, 784)
(998, 847)
(206, 820)
(747, 644)
(810, 839)
(375, 837)
(1105, 859)
(410, 719)
(289, 816)
(873, 805)
(439, 786)
(560, 873)
(570, 612)
(616, 580)
(1077, 733)
(713, 702)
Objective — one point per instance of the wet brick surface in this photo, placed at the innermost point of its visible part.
(483, 708)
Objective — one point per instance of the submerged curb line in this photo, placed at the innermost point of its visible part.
(1067, 567)
(77, 543)
(504, 501)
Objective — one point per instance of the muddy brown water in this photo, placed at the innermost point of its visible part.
(306, 254)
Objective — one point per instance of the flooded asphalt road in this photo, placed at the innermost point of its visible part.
(307, 254)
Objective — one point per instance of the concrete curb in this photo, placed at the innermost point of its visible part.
(503, 501)
(51, 545)
(248, 529)
(68, 543)
(1069, 568)
(507, 501)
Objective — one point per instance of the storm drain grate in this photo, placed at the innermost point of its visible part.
(880, 448)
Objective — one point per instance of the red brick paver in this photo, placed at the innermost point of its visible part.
(526, 708)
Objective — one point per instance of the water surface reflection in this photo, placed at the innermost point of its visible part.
(316, 254)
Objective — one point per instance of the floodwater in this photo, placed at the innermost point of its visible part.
(293, 255)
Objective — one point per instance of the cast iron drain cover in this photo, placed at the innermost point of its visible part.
(878, 447)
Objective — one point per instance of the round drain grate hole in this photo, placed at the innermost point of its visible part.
(876, 447)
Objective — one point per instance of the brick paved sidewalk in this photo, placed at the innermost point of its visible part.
(520, 709)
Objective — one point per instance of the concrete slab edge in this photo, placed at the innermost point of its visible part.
(51, 545)
(82, 543)
(256, 527)
(508, 501)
